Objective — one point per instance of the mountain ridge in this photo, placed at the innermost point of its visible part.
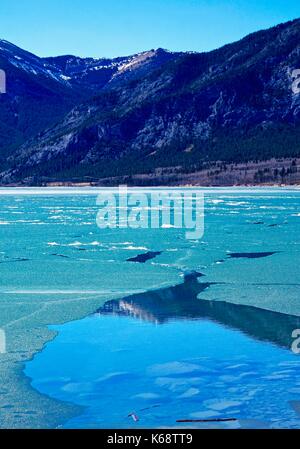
(163, 109)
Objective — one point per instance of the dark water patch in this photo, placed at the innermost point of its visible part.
(258, 223)
(251, 255)
(142, 258)
(61, 255)
(149, 408)
(191, 275)
(205, 420)
(20, 259)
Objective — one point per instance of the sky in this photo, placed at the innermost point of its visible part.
(109, 28)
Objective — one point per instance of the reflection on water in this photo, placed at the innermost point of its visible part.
(184, 302)
(166, 355)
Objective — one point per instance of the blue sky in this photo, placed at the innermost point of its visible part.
(120, 27)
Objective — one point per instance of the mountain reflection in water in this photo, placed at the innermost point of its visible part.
(182, 302)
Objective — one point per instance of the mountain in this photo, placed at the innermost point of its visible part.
(36, 98)
(41, 91)
(161, 112)
(93, 74)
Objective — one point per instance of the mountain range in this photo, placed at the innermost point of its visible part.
(228, 116)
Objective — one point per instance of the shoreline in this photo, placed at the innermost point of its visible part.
(271, 172)
(158, 186)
